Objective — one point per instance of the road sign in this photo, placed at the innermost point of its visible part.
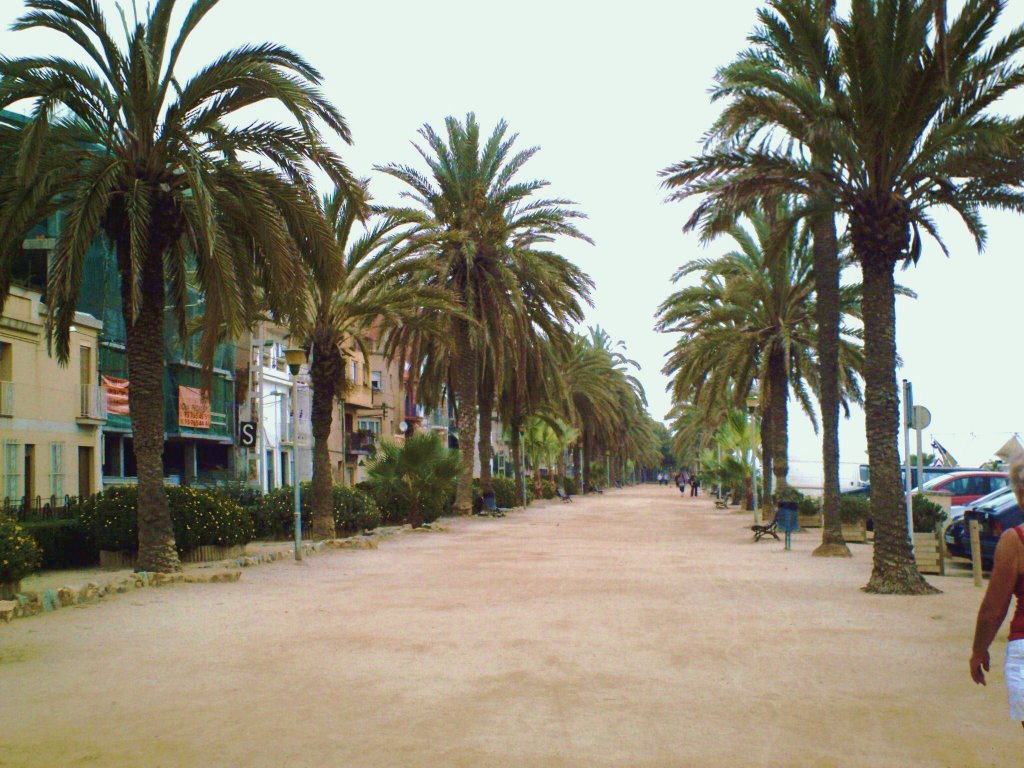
(247, 434)
(920, 417)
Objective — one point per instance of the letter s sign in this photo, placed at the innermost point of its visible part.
(247, 434)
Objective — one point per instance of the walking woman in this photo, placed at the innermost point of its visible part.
(1006, 581)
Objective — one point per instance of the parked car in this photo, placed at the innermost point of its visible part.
(967, 486)
(929, 473)
(993, 518)
(956, 511)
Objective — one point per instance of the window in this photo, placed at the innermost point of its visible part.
(6, 362)
(10, 470)
(959, 487)
(999, 483)
(57, 470)
(375, 381)
(354, 372)
(370, 425)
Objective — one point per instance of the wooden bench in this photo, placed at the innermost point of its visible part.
(561, 494)
(721, 504)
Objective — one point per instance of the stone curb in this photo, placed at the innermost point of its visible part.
(31, 603)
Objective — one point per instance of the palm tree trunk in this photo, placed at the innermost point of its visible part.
(517, 461)
(577, 463)
(827, 317)
(586, 461)
(326, 371)
(779, 392)
(767, 448)
(145, 354)
(560, 467)
(465, 383)
(486, 426)
(893, 570)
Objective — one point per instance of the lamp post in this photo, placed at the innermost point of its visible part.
(296, 359)
(752, 402)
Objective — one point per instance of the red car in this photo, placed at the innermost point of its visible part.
(968, 485)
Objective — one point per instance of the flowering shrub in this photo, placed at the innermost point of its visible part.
(354, 510)
(19, 554)
(199, 517)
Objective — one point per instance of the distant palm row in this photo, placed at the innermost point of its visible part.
(863, 124)
(461, 286)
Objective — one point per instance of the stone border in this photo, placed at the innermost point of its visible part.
(32, 603)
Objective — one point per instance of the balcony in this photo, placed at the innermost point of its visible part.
(92, 404)
(6, 398)
(360, 442)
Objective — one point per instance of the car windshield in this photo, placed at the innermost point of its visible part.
(936, 481)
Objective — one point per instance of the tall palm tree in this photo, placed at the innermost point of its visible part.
(778, 84)
(477, 222)
(378, 287)
(130, 151)
(912, 131)
(753, 317)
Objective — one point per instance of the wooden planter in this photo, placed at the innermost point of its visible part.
(810, 521)
(8, 589)
(928, 553)
(856, 533)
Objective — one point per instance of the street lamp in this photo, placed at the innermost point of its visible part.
(752, 402)
(296, 359)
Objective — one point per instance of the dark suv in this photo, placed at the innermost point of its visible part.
(993, 518)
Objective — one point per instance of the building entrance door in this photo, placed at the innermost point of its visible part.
(84, 471)
(30, 475)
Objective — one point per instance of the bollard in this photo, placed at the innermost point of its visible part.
(975, 552)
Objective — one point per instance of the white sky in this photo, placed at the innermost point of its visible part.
(612, 95)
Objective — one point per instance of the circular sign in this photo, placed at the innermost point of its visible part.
(920, 417)
(403, 426)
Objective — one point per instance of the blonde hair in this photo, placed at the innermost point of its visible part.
(1017, 477)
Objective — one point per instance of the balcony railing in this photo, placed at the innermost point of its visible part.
(360, 442)
(6, 398)
(93, 404)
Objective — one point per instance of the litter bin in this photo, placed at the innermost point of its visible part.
(787, 521)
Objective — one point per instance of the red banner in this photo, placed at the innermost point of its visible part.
(116, 393)
(193, 408)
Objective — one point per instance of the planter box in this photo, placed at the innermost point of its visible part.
(8, 589)
(856, 533)
(810, 521)
(928, 553)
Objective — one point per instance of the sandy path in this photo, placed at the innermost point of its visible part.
(609, 632)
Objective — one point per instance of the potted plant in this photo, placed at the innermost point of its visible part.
(19, 556)
(928, 519)
(853, 517)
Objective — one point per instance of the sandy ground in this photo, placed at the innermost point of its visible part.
(637, 628)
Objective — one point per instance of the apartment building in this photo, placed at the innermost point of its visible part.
(51, 416)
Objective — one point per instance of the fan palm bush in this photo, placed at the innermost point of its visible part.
(419, 475)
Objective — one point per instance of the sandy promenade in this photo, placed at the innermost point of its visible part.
(637, 628)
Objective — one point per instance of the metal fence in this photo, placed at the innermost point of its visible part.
(30, 509)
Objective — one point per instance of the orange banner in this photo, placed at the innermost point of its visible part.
(193, 408)
(117, 394)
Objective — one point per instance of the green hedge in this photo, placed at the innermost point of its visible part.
(354, 510)
(199, 517)
(570, 485)
(274, 514)
(19, 553)
(547, 489)
(64, 544)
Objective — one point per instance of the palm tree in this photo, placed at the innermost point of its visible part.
(776, 84)
(912, 131)
(752, 318)
(421, 472)
(378, 287)
(479, 225)
(130, 151)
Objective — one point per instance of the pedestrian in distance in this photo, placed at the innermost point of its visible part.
(694, 485)
(1006, 581)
